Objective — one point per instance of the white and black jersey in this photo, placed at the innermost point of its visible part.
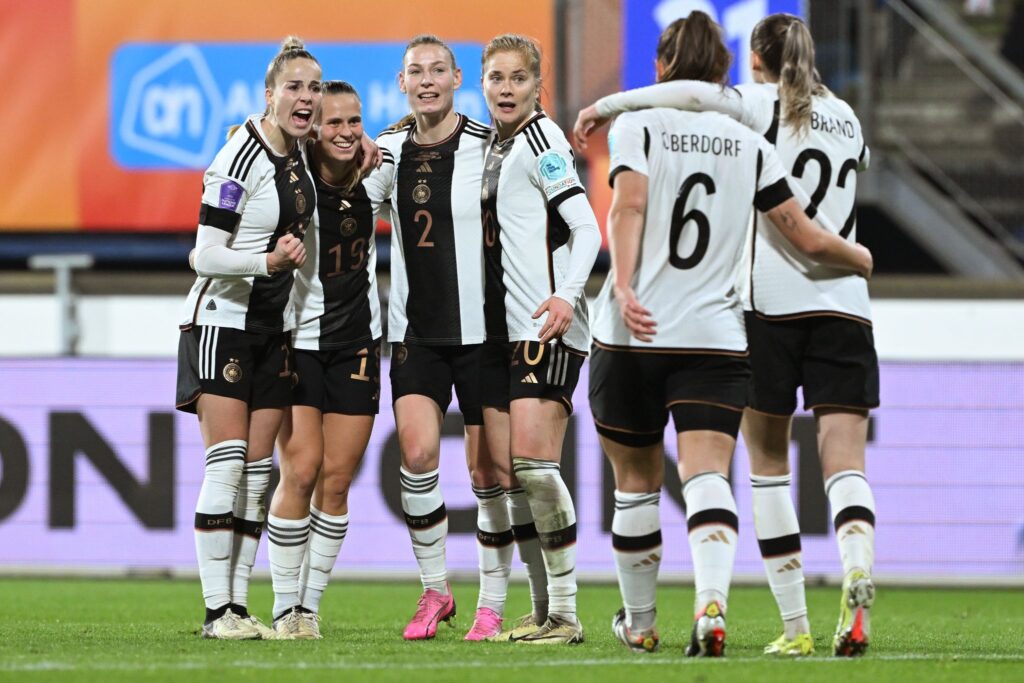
(436, 259)
(823, 163)
(256, 196)
(527, 177)
(706, 173)
(336, 301)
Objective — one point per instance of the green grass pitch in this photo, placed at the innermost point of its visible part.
(146, 630)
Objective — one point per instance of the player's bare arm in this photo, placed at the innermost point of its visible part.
(817, 243)
(625, 228)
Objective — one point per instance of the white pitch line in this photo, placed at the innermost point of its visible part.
(654, 660)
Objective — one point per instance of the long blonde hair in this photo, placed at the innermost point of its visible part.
(786, 50)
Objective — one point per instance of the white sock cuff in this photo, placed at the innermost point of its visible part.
(230, 451)
(759, 481)
(419, 483)
(624, 501)
(287, 532)
(334, 527)
(852, 475)
(707, 491)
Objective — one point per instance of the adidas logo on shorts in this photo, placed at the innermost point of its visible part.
(529, 379)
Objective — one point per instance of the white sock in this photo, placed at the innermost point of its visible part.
(555, 517)
(778, 536)
(287, 540)
(326, 534)
(494, 547)
(250, 515)
(525, 533)
(853, 512)
(214, 521)
(712, 524)
(427, 519)
(636, 543)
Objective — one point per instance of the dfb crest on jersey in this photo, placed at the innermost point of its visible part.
(401, 354)
(348, 227)
(421, 193)
(552, 166)
(300, 202)
(233, 371)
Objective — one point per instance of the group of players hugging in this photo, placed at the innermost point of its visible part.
(735, 278)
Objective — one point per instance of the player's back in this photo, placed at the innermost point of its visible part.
(704, 171)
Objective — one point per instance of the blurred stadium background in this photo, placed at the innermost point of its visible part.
(114, 107)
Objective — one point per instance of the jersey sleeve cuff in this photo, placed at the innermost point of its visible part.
(619, 169)
(215, 217)
(773, 195)
(559, 198)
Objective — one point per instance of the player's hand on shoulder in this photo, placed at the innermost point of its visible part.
(587, 122)
(558, 321)
(637, 319)
(372, 156)
(290, 253)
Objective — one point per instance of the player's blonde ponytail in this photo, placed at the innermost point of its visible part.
(786, 49)
(292, 47)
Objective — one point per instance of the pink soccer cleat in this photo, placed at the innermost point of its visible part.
(432, 608)
(486, 625)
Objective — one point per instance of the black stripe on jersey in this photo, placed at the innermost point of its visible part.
(647, 143)
(540, 131)
(533, 147)
(482, 136)
(863, 151)
(427, 204)
(250, 146)
(346, 235)
(773, 195)
(558, 199)
(540, 143)
(772, 134)
(215, 217)
(495, 320)
(476, 130)
(615, 172)
(387, 156)
(269, 296)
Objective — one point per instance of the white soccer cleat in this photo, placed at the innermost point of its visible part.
(230, 627)
(297, 625)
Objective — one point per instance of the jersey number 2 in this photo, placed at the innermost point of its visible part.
(824, 180)
(680, 219)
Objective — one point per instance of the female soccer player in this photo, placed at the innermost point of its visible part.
(433, 161)
(668, 332)
(533, 206)
(234, 354)
(337, 363)
(808, 326)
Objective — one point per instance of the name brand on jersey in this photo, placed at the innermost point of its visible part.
(700, 144)
(555, 188)
(827, 124)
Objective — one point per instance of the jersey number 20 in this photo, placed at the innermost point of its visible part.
(680, 217)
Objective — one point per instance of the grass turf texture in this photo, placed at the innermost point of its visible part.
(146, 630)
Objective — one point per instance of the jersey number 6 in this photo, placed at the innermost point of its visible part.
(680, 219)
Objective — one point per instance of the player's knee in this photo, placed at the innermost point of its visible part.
(418, 458)
(337, 485)
(299, 479)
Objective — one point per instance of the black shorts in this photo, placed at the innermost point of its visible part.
(528, 369)
(253, 367)
(632, 392)
(432, 371)
(343, 381)
(832, 358)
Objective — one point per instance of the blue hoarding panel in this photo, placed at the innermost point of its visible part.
(171, 103)
(644, 20)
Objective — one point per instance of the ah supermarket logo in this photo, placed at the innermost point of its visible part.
(171, 104)
(646, 19)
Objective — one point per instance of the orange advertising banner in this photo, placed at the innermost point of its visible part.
(121, 104)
